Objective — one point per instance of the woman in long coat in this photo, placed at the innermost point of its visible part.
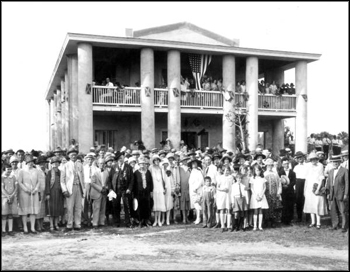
(196, 182)
(169, 189)
(314, 204)
(273, 194)
(28, 202)
(54, 195)
(41, 167)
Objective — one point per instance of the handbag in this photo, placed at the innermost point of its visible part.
(322, 190)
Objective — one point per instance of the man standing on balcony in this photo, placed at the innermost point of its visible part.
(109, 84)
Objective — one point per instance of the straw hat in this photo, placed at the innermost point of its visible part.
(313, 155)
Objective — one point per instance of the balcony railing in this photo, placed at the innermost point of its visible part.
(130, 96)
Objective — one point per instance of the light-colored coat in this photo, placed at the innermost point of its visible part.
(98, 180)
(67, 177)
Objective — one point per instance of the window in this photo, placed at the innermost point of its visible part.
(106, 137)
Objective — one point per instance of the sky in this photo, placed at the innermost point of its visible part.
(33, 34)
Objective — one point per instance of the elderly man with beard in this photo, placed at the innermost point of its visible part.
(121, 181)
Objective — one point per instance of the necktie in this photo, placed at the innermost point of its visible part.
(207, 170)
(90, 173)
(240, 191)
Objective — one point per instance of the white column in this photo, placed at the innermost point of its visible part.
(252, 75)
(147, 102)
(72, 63)
(301, 106)
(54, 120)
(66, 103)
(174, 110)
(48, 125)
(228, 125)
(85, 124)
(58, 118)
(63, 113)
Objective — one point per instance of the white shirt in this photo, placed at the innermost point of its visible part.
(335, 172)
(87, 176)
(110, 84)
(300, 171)
(345, 164)
(328, 168)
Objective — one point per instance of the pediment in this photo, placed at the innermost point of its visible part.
(185, 32)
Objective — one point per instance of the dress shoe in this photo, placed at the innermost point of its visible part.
(261, 229)
(11, 233)
(94, 227)
(77, 229)
(342, 230)
(67, 229)
(311, 225)
(3, 233)
(334, 228)
(205, 226)
(318, 227)
(25, 232)
(33, 232)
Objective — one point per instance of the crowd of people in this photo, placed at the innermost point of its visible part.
(222, 189)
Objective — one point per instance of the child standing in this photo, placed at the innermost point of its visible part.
(8, 199)
(208, 200)
(223, 202)
(258, 200)
(240, 201)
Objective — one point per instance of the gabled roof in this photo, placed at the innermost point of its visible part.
(184, 32)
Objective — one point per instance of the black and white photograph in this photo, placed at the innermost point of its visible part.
(175, 135)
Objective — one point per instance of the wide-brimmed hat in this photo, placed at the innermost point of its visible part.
(313, 155)
(90, 155)
(162, 152)
(72, 150)
(269, 161)
(299, 154)
(259, 154)
(336, 158)
(192, 152)
(165, 160)
(199, 163)
(135, 152)
(183, 158)
(170, 155)
(57, 150)
(92, 149)
(238, 157)
(131, 159)
(226, 157)
(155, 157)
(319, 153)
(20, 150)
(55, 159)
(118, 154)
(41, 159)
(216, 155)
(29, 158)
(109, 158)
(14, 158)
(9, 151)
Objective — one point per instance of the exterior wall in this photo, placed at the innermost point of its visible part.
(266, 126)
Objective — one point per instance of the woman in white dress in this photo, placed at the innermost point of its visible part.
(196, 182)
(314, 204)
(223, 201)
(169, 189)
(158, 190)
(258, 199)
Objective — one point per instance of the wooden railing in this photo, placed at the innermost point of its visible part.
(130, 96)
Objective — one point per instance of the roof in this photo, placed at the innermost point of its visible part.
(186, 32)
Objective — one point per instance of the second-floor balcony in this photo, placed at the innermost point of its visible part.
(206, 101)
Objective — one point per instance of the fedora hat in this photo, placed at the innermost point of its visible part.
(142, 160)
(336, 158)
(345, 153)
(259, 154)
(9, 151)
(20, 150)
(216, 155)
(170, 155)
(313, 155)
(118, 154)
(192, 152)
(162, 152)
(135, 152)
(55, 159)
(57, 150)
(131, 159)
(72, 150)
(90, 155)
(41, 159)
(199, 163)
(299, 154)
(183, 158)
(109, 158)
(29, 158)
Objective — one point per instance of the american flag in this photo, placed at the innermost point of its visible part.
(199, 64)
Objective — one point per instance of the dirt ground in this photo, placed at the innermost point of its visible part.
(178, 247)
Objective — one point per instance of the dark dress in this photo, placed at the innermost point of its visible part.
(55, 206)
(143, 194)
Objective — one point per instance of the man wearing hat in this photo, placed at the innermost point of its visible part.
(73, 187)
(89, 170)
(185, 173)
(287, 192)
(300, 174)
(121, 181)
(8, 154)
(345, 158)
(338, 193)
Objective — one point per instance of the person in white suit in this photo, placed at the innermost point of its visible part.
(72, 184)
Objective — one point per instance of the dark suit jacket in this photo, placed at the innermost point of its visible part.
(139, 182)
(116, 174)
(339, 186)
(289, 190)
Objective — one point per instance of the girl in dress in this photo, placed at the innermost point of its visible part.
(246, 175)
(240, 201)
(314, 204)
(54, 195)
(223, 202)
(258, 200)
(8, 199)
(169, 185)
(158, 190)
(273, 194)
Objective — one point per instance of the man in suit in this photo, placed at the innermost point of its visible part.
(345, 158)
(73, 187)
(121, 181)
(338, 192)
(287, 192)
(98, 194)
